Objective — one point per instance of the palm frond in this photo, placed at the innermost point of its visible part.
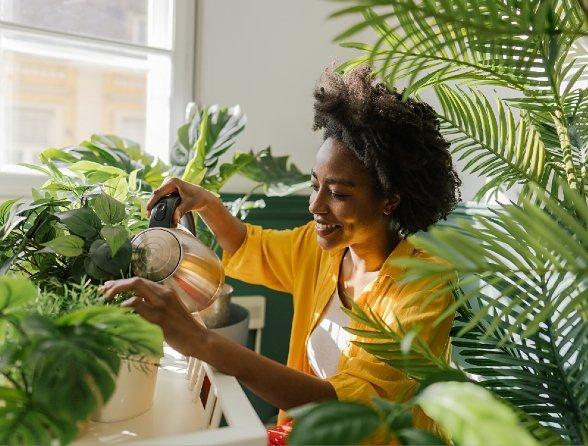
(532, 374)
(536, 257)
(575, 108)
(405, 351)
(515, 44)
(492, 144)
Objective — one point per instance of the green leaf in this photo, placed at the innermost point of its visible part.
(83, 222)
(15, 292)
(334, 422)
(442, 376)
(53, 153)
(227, 170)
(278, 177)
(66, 245)
(117, 188)
(115, 236)
(22, 423)
(195, 169)
(418, 437)
(207, 141)
(109, 209)
(116, 265)
(471, 415)
(86, 167)
(74, 367)
(5, 210)
(129, 332)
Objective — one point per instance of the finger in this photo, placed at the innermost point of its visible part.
(148, 290)
(180, 210)
(168, 186)
(145, 310)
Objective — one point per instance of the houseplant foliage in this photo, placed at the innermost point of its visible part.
(56, 366)
(81, 221)
(209, 132)
(508, 76)
(60, 341)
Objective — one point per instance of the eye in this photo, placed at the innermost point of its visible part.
(337, 196)
(314, 187)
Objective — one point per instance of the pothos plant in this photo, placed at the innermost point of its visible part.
(510, 79)
(79, 224)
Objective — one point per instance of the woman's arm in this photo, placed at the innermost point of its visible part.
(277, 384)
(229, 230)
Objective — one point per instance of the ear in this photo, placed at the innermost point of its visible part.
(391, 203)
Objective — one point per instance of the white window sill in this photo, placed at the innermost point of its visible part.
(17, 182)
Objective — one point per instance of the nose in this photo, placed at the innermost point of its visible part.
(316, 203)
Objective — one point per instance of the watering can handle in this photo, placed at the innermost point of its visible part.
(162, 214)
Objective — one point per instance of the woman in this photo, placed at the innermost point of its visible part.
(383, 172)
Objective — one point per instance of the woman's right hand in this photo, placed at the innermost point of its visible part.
(192, 197)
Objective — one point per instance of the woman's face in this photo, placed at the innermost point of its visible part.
(343, 202)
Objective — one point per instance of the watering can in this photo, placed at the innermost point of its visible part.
(174, 257)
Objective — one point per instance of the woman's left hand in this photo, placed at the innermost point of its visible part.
(162, 306)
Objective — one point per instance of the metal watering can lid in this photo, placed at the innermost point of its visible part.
(157, 252)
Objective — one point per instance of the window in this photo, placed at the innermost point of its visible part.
(71, 68)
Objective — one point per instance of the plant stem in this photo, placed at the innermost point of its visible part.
(11, 379)
(566, 148)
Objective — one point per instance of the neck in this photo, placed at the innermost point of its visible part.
(370, 256)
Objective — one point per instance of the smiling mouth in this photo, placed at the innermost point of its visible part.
(324, 230)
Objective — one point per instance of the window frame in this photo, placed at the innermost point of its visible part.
(17, 180)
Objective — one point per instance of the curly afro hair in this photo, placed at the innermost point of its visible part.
(398, 141)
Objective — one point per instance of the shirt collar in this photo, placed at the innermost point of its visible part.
(403, 249)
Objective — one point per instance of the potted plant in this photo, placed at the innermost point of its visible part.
(75, 232)
(59, 358)
(521, 327)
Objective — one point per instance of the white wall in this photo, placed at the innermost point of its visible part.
(266, 55)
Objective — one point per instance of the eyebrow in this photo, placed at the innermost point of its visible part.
(332, 180)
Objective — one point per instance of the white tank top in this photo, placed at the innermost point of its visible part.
(328, 339)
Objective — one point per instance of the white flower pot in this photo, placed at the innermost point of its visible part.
(134, 392)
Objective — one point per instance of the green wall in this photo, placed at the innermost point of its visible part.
(279, 213)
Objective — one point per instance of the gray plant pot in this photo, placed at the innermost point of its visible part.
(237, 328)
(218, 314)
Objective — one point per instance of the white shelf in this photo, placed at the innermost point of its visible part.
(178, 416)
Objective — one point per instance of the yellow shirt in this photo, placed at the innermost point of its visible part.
(291, 261)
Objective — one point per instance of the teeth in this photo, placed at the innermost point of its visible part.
(322, 227)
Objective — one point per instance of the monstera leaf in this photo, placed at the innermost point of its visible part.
(21, 422)
(74, 366)
(275, 173)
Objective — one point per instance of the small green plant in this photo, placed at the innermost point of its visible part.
(57, 366)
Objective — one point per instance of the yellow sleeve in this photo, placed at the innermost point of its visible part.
(265, 258)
